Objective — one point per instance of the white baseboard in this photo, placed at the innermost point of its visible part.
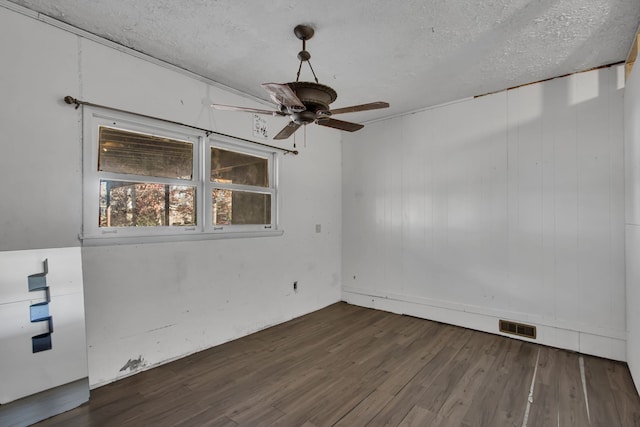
(593, 341)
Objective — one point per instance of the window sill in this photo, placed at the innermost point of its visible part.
(110, 240)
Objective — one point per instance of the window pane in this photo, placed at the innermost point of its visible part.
(140, 154)
(137, 204)
(238, 168)
(240, 207)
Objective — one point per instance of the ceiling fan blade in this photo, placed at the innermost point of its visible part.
(282, 94)
(245, 109)
(339, 124)
(362, 107)
(287, 131)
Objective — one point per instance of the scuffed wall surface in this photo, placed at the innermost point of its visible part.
(147, 304)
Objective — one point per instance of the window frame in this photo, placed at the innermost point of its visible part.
(227, 144)
(93, 234)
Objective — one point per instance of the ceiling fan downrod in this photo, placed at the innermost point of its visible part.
(304, 33)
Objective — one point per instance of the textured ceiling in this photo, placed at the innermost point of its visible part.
(413, 54)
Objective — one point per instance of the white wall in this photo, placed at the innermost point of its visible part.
(155, 302)
(40, 162)
(632, 230)
(507, 206)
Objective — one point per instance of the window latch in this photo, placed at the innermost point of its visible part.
(217, 228)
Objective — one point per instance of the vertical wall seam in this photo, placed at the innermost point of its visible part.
(507, 200)
(80, 125)
(577, 158)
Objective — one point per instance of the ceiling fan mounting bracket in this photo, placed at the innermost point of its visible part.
(303, 32)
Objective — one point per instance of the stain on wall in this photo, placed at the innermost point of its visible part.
(134, 364)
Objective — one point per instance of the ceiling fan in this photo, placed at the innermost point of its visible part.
(306, 102)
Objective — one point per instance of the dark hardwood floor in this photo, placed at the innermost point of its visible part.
(351, 366)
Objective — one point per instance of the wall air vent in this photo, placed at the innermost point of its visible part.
(518, 329)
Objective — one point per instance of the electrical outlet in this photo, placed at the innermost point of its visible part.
(318, 228)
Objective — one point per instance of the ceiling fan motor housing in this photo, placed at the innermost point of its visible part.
(303, 117)
(315, 97)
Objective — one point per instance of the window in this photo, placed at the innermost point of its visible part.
(123, 155)
(145, 179)
(240, 188)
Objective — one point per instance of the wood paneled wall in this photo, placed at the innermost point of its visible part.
(508, 206)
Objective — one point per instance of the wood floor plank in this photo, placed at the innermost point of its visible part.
(470, 385)
(327, 410)
(602, 407)
(207, 418)
(176, 410)
(435, 368)
(625, 396)
(365, 410)
(351, 366)
(257, 416)
(513, 400)
(414, 358)
(418, 416)
(408, 396)
(544, 408)
(449, 383)
(483, 408)
(571, 400)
